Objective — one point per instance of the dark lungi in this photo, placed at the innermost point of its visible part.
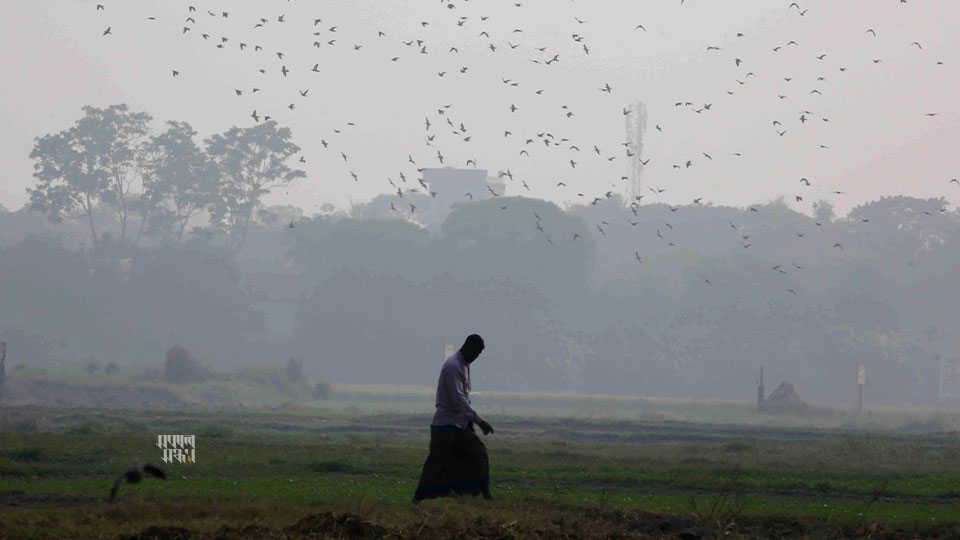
(457, 464)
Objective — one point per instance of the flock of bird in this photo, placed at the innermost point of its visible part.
(202, 24)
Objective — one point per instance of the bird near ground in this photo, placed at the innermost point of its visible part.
(135, 475)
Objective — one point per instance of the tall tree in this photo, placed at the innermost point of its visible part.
(117, 135)
(251, 162)
(179, 180)
(93, 161)
(824, 211)
(68, 178)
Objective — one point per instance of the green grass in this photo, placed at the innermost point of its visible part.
(818, 481)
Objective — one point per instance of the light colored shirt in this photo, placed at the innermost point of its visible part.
(453, 394)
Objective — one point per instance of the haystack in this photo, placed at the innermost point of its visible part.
(182, 367)
(784, 400)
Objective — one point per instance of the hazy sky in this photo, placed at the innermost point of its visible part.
(54, 60)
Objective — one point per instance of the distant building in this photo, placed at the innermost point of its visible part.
(496, 184)
(453, 185)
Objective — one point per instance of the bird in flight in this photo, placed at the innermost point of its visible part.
(135, 475)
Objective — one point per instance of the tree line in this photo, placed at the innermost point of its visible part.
(377, 294)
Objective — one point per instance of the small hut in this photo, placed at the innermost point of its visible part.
(784, 400)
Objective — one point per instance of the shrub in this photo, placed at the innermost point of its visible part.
(295, 370)
(92, 365)
(321, 390)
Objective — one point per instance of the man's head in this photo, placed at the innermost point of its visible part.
(472, 347)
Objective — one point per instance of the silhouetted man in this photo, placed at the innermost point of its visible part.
(457, 464)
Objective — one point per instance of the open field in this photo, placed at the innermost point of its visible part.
(340, 470)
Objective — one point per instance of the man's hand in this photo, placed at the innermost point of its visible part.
(485, 427)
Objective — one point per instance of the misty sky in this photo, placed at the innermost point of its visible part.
(879, 142)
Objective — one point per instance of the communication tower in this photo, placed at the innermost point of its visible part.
(636, 127)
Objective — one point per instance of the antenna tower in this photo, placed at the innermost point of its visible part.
(636, 127)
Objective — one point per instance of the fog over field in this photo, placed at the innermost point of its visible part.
(359, 184)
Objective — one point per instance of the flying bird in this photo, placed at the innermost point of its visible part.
(135, 475)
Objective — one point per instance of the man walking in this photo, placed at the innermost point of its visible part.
(457, 464)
